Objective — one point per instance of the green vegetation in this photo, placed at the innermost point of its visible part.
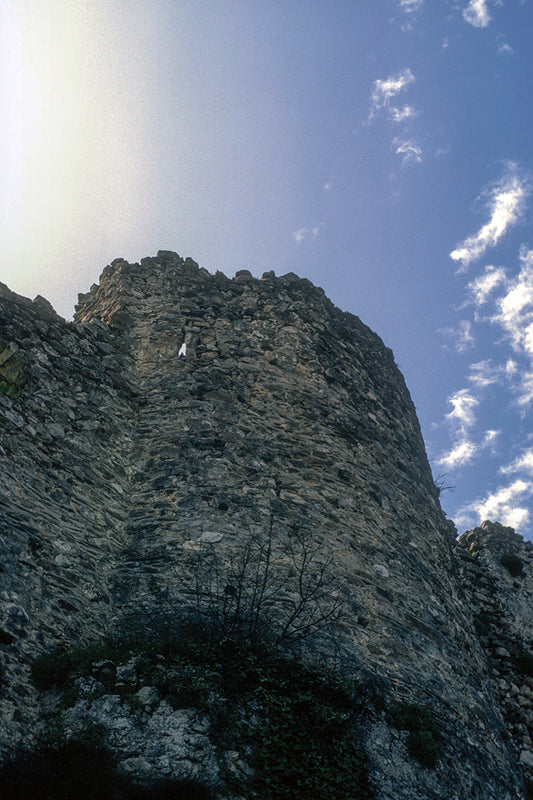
(296, 727)
(231, 653)
(56, 666)
(513, 564)
(425, 741)
(297, 724)
(307, 744)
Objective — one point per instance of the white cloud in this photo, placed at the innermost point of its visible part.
(461, 335)
(511, 299)
(462, 418)
(505, 201)
(462, 453)
(411, 153)
(464, 339)
(411, 6)
(384, 90)
(480, 288)
(490, 438)
(477, 13)
(524, 389)
(486, 373)
(505, 49)
(515, 308)
(306, 233)
(403, 114)
(506, 505)
(465, 450)
(523, 463)
(463, 405)
(510, 504)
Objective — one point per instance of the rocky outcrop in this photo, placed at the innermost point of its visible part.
(183, 416)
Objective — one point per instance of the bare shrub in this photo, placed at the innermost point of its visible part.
(284, 590)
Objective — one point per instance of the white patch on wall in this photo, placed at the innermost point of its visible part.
(208, 537)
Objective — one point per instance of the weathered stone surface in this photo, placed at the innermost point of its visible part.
(499, 580)
(160, 743)
(183, 414)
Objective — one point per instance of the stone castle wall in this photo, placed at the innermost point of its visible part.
(185, 413)
(496, 565)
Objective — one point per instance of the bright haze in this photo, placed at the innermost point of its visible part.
(380, 148)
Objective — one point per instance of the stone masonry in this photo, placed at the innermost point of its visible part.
(183, 411)
(497, 571)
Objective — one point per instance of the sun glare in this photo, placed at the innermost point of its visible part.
(69, 148)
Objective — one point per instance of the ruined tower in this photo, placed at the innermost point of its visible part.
(184, 412)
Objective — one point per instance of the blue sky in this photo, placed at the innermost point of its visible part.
(380, 148)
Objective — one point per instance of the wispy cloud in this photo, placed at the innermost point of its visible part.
(508, 304)
(306, 233)
(505, 49)
(411, 6)
(464, 337)
(524, 390)
(487, 373)
(462, 453)
(508, 301)
(501, 383)
(477, 14)
(489, 438)
(482, 287)
(403, 114)
(466, 449)
(381, 102)
(409, 150)
(504, 301)
(462, 415)
(461, 336)
(383, 90)
(505, 200)
(503, 504)
(510, 504)
(462, 419)
(523, 463)
(514, 309)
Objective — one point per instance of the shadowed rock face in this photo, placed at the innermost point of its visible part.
(183, 412)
